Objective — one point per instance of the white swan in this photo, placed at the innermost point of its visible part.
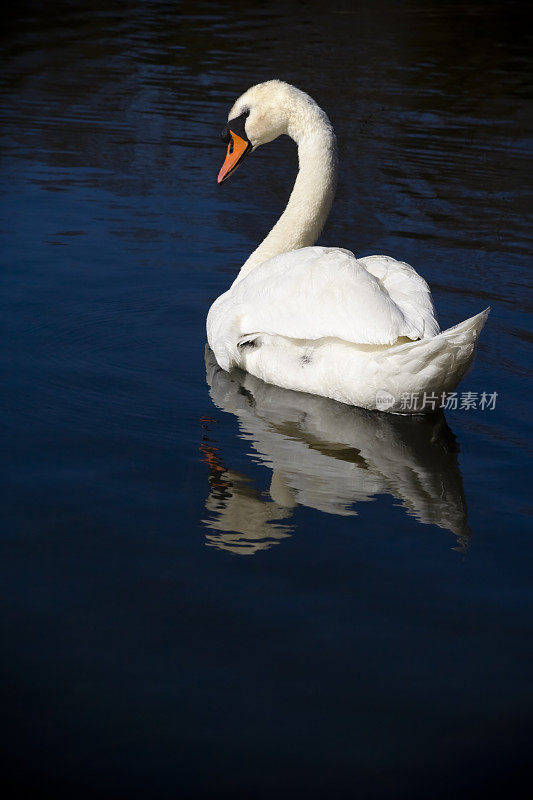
(317, 319)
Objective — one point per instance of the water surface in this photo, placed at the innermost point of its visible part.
(214, 587)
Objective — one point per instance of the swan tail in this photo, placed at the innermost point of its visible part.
(427, 367)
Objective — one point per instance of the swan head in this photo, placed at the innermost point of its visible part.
(264, 112)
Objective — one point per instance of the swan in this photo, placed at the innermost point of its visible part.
(362, 331)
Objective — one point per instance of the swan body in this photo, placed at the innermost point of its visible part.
(318, 319)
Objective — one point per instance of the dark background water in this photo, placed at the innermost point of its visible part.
(218, 588)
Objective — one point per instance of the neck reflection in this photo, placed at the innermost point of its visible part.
(327, 456)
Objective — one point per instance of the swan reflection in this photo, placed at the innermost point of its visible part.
(327, 456)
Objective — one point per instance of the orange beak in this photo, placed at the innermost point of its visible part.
(237, 149)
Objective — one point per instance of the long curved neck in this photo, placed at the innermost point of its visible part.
(311, 198)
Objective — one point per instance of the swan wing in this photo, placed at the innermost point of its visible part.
(318, 292)
(409, 292)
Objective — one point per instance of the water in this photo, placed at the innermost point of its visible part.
(212, 587)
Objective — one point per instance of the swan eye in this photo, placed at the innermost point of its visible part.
(235, 126)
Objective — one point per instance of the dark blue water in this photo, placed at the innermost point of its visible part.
(212, 587)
